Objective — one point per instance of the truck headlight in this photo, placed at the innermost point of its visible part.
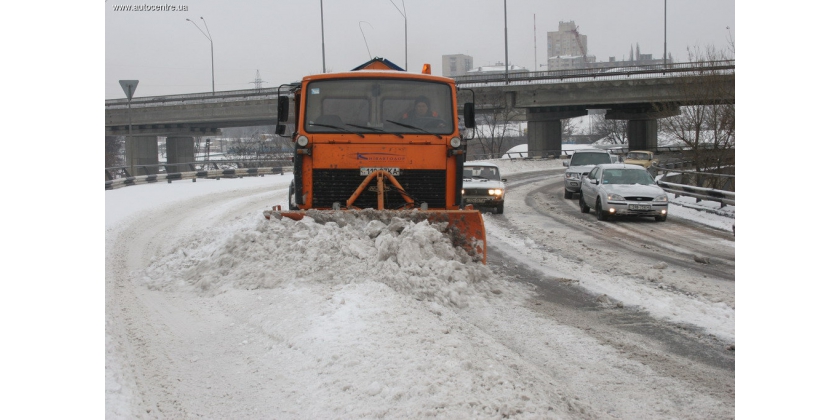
(302, 141)
(455, 142)
(572, 175)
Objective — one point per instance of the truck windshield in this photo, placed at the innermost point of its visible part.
(378, 106)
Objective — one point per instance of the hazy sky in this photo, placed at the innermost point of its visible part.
(282, 38)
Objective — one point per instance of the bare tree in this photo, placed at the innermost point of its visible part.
(706, 123)
(495, 128)
(113, 151)
(615, 131)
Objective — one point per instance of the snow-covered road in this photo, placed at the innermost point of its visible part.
(213, 311)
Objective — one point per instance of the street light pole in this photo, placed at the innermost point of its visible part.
(506, 46)
(323, 53)
(665, 52)
(405, 19)
(212, 59)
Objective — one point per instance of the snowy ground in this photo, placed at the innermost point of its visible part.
(243, 317)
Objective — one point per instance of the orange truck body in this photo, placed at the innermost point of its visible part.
(357, 148)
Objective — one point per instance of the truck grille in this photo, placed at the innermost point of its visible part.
(337, 185)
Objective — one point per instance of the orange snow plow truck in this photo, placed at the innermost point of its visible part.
(379, 142)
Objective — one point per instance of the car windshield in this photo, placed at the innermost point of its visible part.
(584, 158)
(627, 176)
(638, 156)
(482, 172)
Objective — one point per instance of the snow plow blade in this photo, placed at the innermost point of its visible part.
(465, 228)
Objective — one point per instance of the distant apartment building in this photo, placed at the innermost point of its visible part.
(567, 48)
(456, 65)
(498, 68)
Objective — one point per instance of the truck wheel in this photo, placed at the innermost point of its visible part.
(567, 194)
(500, 209)
(583, 207)
(292, 205)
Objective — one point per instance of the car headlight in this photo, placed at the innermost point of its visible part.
(614, 197)
(496, 192)
(573, 175)
(661, 198)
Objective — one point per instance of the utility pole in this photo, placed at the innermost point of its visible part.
(257, 81)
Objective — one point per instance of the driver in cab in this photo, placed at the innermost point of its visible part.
(422, 109)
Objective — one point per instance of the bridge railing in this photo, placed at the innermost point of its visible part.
(553, 76)
(118, 172)
(602, 73)
(204, 97)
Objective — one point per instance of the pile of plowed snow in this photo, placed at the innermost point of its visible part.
(413, 258)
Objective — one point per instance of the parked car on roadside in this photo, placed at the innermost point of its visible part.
(579, 165)
(641, 158)
(619, 189)
(484, 186)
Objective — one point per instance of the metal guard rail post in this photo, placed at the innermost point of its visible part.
(700, 193)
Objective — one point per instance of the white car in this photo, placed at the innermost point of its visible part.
(622, 189)
(579, 165)
(484, 186)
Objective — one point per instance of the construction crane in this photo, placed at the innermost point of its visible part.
(580, 44)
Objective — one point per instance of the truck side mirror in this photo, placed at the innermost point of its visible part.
(469, 115)
(282, 114)
(283, 109)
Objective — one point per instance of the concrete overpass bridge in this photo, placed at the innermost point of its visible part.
(639, 95)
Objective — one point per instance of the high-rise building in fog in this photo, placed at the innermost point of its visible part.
(567, 48)
(456, 65)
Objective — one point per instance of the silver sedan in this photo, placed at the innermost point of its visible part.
(622, 189)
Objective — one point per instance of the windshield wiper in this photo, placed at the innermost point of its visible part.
(375, 129)
(339, 128)
(414, 128)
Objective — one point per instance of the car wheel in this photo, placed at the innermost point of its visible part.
(500, 209)
(599, 212)
(567, 194)
(583, 207)
(660, 218)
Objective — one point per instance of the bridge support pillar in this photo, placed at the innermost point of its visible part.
(641, 134)
(642, 124)
(545, 131)
(141, 150)
(180, 151)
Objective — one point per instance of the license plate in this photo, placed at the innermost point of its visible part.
(476, 200)
(639, 207)
(368, 171)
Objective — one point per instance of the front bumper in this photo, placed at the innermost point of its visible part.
(572, 184)
(484, 200)
(623, 208)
